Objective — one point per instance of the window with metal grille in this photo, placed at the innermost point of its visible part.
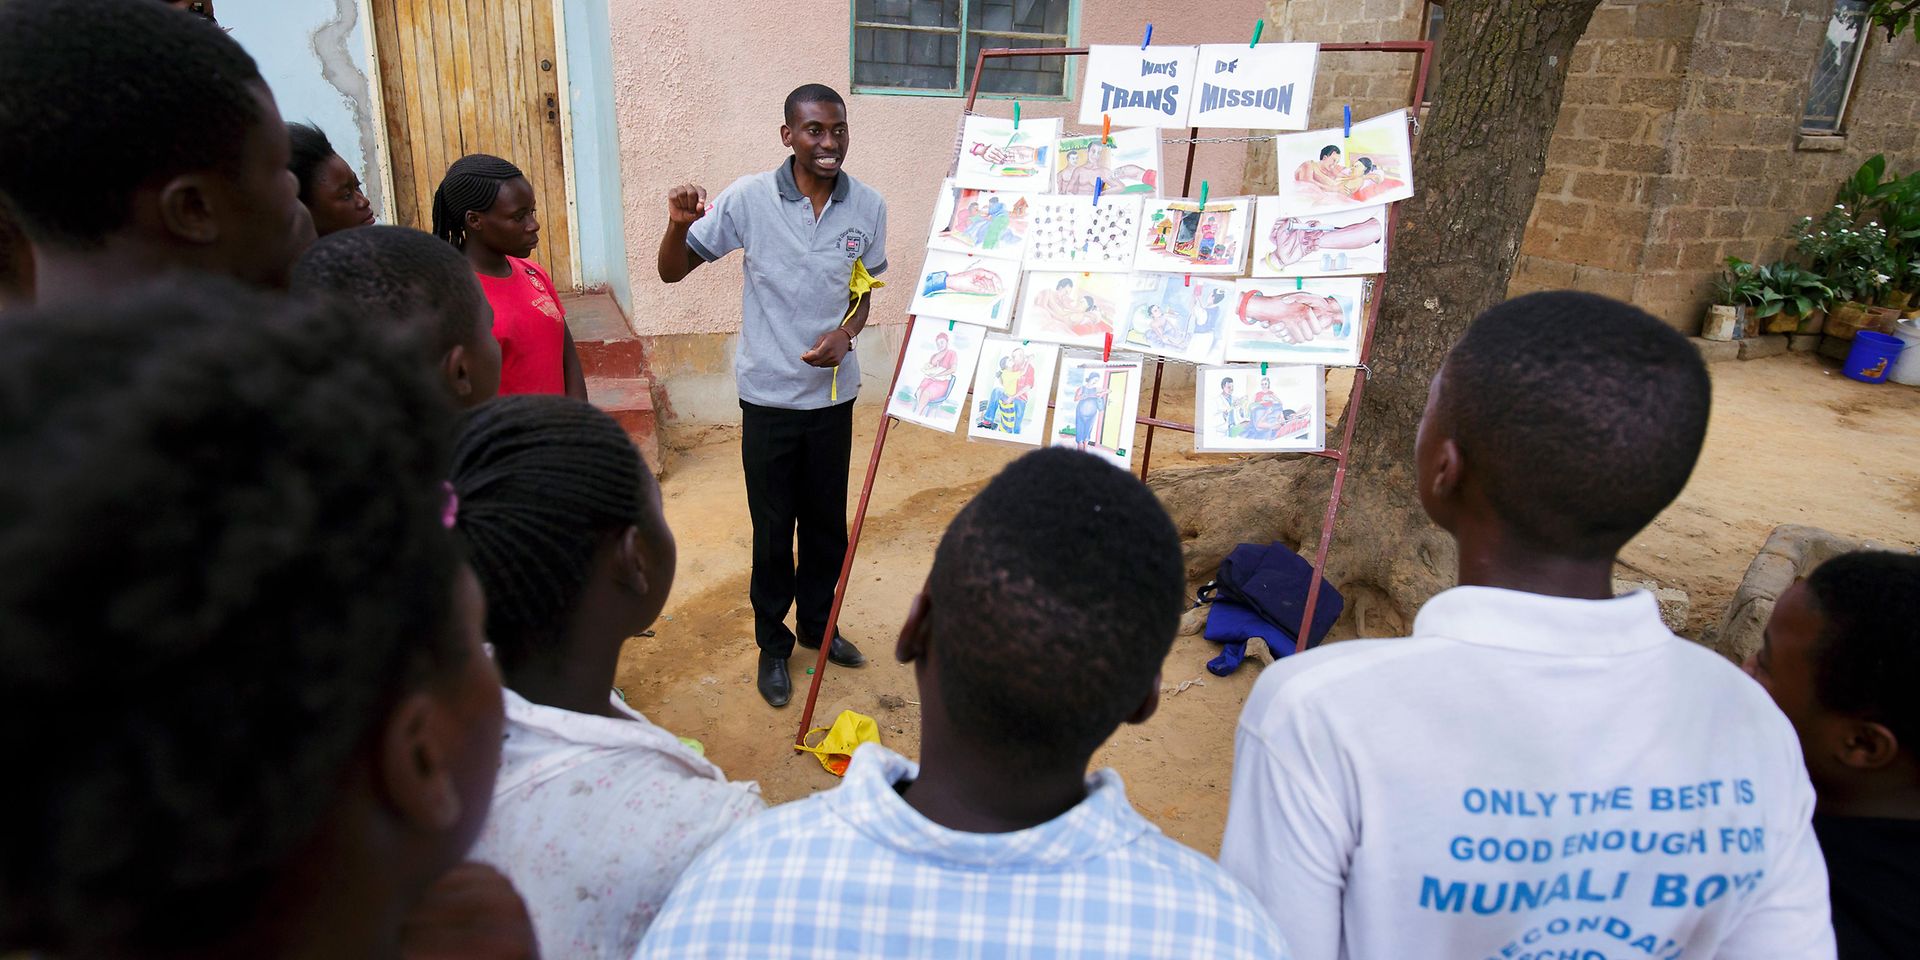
(1833, 73)
(927, 47)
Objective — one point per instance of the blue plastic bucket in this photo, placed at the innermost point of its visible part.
(1872, 356)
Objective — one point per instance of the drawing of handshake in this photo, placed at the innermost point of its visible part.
(1297, 317)
(977, 280)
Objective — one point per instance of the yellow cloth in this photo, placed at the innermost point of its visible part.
(860, 284)
(849, 731)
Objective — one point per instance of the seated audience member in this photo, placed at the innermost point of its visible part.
(596, 811)
(409, 277)
(329, 188)
(1053, 599)
(139, 141)
(239, 652)
(1842, 659)
(1542, 769)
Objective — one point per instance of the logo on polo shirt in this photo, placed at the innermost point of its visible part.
(854, 243)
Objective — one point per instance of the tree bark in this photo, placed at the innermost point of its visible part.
(1477, 165)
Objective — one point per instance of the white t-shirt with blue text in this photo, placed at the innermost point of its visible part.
(1526, 778)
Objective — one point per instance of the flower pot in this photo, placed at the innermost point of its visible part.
(1722, 323)
(1782, 322)
(1881, 320)
(1846, 319)
(1813, 322)
(1897, 299)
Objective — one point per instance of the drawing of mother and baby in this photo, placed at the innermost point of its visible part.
(1331, 179)
(1005, 409)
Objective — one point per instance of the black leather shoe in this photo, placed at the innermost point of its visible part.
(775, 685)
(842, 651)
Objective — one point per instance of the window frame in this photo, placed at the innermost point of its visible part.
(1069, 77)
(1840, 115)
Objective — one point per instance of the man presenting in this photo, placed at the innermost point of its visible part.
(803, 227)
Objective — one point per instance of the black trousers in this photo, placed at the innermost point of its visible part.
(796, 466)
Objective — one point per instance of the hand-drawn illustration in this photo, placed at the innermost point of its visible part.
(932, 389)
(1075, 233)
(1174, 317)
(1348, 243)
(1128, 163)
(1270, 407)
(1076, 309)
(1313, 320)
(997, 155)
(1321, 171)
(1264, 87)
(1010, 391)
(1138, 87)
(977, 290)
(990, 223)
(1097, 406)
(1182, 236)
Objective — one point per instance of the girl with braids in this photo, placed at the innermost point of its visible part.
(485, 208)
(563, 526)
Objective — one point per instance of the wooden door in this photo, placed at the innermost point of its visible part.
(475, 76)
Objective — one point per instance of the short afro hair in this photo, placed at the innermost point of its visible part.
(1866, 660)
(223, 560)
(543, 481)
(308, 149)
(1583, 416)
(1055, 596)
(398, 275)
(100, 97)
(810, 93)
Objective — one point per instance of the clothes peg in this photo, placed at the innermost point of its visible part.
(1258, 25)
(1016, 114)
(1299, 283)
(1347, 120)
(1263, 368)
(949, 324)
(1106, 352)
(1203, 196)
(1106, 129)
(1149, 37)
(1098, 185)
(1188, 282)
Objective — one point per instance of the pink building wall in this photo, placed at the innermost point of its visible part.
(697, 98)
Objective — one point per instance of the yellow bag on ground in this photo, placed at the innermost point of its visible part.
(835, 750)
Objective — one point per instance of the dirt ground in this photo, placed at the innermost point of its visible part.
(1791, 441)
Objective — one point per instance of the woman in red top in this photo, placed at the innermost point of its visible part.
(484, 207)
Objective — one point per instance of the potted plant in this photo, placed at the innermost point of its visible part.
(1789, 295)
(1734, 289)
(1852, 259)
(1898, 210)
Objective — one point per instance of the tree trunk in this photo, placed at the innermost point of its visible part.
(1477, 166)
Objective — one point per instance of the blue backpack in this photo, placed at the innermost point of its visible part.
(1261, 591)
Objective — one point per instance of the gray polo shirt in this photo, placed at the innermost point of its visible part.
(796, 271)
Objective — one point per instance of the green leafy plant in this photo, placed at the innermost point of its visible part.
(1893, 16)
(1738, 285)
(1850, 257)
(1790, 289)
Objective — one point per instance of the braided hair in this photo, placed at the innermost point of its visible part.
(471, 183)
(543, 482)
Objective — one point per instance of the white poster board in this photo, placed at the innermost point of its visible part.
(1347, 243)
(1073, 308)
(997, 154)
(1321, 171)
(1313, 320)
(1268, 86)
(1097, 406)
(1078, 233)
(1184, 236)
(1136, 86)
(1127, 162)
(1167, 316)
(1010, 391)
(987, 223)
(976, 290)
(1245, 408)
(938, 367)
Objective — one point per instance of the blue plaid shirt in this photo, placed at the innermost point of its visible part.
(855, 872)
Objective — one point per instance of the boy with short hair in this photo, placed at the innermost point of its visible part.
(140, 141)
(998, 843)
(1842, 659)
(1542, 769)
(241, 676)
(409, 277)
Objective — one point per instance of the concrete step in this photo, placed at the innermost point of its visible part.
(606, 345)
(630, 401)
